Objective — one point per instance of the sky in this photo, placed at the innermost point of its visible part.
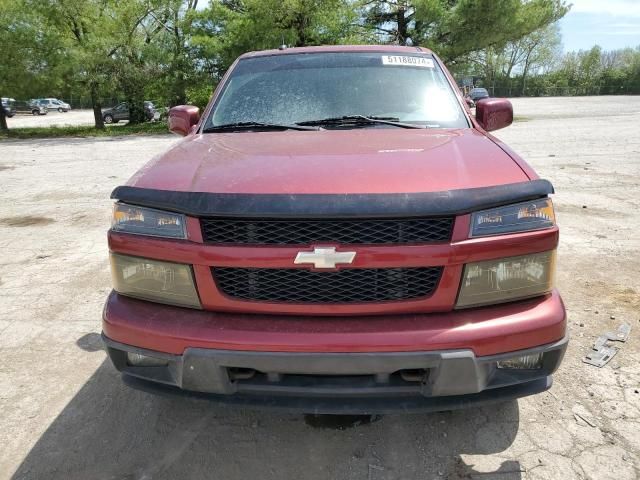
(612, 24)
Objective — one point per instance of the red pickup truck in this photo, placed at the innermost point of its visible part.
(336, 233)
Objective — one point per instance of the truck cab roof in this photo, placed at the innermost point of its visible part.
(397, 49)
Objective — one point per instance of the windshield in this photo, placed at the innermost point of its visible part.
(294, 88)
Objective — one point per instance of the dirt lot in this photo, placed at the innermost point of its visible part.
(52, 118)
(66, 415)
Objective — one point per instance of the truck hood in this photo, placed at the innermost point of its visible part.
(331, 162)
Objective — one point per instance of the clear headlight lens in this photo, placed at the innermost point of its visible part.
(506, 279)
(520, 217)
(163, 282)
(147, 221)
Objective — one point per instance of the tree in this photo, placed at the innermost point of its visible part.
(229, 28)
(513, 63)
(28, 53)
(133, 34)
(107, 41)
(85, 26)
(394, 21)
(174, 54)
(537, 51)
(455, 28)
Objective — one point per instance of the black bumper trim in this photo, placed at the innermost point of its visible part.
(352, 406)
(341, 382)
(418, 204)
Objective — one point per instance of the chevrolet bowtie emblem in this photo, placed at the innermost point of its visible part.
(324, 257)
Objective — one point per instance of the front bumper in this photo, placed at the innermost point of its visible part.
(484, 331)
(366, 364)
(341, 383)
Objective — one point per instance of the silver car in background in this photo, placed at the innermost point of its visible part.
(54, 104)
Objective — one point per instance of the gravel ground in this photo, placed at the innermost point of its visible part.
(52, 118)
(66, 414)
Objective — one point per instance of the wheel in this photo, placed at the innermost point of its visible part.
(60, 109)
(108, 118)
(35, 112)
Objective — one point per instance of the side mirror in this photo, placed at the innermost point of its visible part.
(494, 113)
(182, 118)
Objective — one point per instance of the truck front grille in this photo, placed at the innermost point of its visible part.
(356, 285)
(306, 232)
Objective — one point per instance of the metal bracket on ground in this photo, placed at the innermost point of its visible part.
(601, 353)
(621, 334)
(600, 356)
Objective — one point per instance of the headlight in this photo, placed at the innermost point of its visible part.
(506, 279)
(147, 221)
(520, 217)
(163, 282)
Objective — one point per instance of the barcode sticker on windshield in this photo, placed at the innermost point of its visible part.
(403, 61)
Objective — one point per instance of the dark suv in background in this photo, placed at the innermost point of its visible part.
(478, 94)
(121, 112)
(33, 108)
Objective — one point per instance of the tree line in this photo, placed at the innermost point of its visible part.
(535, 65)
(176, 51)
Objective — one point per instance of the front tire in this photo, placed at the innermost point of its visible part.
(108, 119)
(60, 110)
(35, 112)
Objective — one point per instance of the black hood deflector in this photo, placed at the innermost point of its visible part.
(356, 205)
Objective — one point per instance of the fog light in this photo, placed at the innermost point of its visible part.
(523, 362)
(138, 360)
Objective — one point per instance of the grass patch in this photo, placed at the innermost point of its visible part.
(520, 118)
(149, 128)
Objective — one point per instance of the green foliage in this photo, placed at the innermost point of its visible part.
(176, 51)
(454, 28)
(498, 67)
(30, 54)
(199, 95)
(229, 28)
(535, 66)
(172, 53)
(155, 128)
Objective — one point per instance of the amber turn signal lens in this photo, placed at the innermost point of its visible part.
(147, 221)
(520, 217)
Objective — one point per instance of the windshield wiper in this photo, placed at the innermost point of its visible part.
(360, 119)
(255, 126)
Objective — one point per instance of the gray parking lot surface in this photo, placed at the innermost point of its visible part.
(66, 414)
(52, 119)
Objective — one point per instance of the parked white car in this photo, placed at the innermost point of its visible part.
(54, 104)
